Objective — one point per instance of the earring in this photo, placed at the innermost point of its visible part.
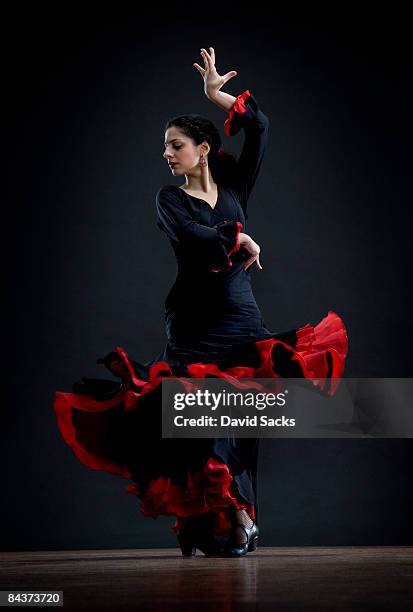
(203, 162)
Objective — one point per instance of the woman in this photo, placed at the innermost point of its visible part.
(214, 328)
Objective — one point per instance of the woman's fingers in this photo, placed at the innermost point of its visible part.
(229, 75)
(207, 58)
(199, 68)
(251, 260)
(213, 81)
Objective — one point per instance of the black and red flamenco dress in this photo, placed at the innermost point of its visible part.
(214, 328)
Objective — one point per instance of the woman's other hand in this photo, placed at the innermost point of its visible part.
(212, 80)
(252, 248)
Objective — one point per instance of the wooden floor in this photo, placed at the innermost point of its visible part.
(311, 578)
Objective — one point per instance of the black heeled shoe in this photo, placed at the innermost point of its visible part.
(234, 549)
(196, 534)
(186, 540)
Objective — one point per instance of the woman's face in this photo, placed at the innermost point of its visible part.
(180, 152)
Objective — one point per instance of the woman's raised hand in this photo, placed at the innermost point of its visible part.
(252, 248)
(212, 80)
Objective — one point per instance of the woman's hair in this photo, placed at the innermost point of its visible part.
(199, 128)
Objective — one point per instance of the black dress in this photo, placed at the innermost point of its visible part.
(214, 328)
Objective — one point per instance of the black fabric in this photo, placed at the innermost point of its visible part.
(198, 247)
(255, 125)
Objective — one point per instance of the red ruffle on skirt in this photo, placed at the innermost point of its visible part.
(205, 491)
(320, 352)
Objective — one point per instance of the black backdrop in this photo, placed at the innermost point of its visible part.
(88, 270)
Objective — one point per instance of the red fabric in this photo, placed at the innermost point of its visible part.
(62, 405)
(210, 489)
(205, 491)
(237, 242)
(237, 107)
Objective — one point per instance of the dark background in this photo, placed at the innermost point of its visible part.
(88, 270)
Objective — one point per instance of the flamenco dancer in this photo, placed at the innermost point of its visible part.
(213, 327)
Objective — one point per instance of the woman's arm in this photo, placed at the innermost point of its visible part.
(246, 114)
(243, 112)
(222, 99)
(208, 247)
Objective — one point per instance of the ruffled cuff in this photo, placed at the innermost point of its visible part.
(243, 110)
(229, 241)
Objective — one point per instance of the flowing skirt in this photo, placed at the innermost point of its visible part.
(116, 426)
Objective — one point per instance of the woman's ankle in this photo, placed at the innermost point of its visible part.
(243, 517)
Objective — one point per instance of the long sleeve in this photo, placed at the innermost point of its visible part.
(209, 248)
(245, 113)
